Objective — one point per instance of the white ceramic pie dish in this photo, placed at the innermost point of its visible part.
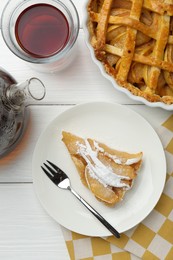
(103, 72)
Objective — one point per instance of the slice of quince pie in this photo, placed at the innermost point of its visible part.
(107, 172)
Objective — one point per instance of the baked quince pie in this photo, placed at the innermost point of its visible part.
(134, 41)
(108, 173)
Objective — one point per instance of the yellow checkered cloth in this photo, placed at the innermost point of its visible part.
(152, 239)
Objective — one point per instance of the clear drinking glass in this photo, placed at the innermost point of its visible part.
(45, 18)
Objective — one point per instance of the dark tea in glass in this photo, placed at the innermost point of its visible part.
(41, 32)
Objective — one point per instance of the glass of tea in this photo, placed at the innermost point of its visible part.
(41, 32)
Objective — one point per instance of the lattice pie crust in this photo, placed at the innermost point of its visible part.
(134, 41)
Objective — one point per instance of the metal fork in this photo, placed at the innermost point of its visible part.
(60, 179)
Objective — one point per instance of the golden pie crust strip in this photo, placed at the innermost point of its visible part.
(131, 22)
(102, 24)
(151, 32)
(158, 6)
(129, 45)
(153, 72)
(141, 59)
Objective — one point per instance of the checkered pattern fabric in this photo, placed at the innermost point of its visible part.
(152, 239)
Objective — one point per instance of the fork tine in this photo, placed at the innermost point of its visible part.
(50, 169)
(58, 172)
(53, 165)
(47, 173)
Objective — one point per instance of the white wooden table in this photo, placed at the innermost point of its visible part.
(26, 230)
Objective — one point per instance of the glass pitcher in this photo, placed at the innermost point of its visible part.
(14, 97)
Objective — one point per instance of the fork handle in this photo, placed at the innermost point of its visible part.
(96, 214)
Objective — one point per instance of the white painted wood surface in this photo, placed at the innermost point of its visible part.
(26, 230)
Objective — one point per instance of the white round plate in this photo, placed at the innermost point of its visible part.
(119, 128)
